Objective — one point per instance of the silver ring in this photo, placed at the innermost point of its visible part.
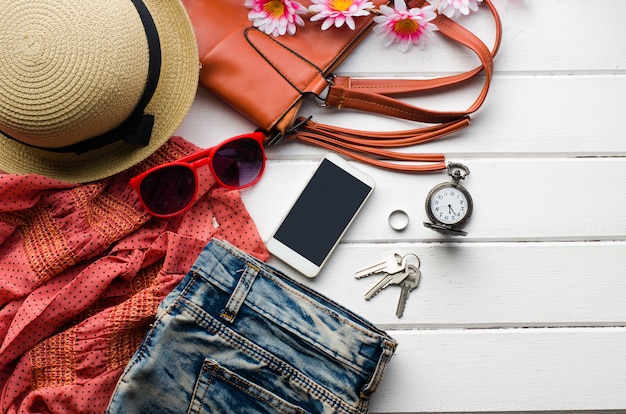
(398, 220)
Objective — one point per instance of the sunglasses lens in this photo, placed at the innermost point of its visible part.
(168, 190)
(239, 163)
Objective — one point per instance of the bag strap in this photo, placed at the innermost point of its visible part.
(371, 95)
(377, 96)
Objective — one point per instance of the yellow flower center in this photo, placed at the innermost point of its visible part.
(406, 26)
(340, 5)
(274, 8)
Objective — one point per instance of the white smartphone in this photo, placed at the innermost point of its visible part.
(320, 216)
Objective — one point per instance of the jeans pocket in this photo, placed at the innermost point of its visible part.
(219, 390)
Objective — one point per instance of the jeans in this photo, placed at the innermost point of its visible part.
(237, 336)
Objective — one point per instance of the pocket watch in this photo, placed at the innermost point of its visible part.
(449, 205)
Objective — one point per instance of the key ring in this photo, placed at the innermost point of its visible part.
(398, 220)
(419, 262)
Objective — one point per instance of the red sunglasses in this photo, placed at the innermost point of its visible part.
(170, 189)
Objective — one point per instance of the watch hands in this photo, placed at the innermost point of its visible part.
(451, 210)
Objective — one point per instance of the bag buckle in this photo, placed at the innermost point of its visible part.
(278, 136)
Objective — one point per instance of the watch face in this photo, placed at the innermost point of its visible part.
(449, 204)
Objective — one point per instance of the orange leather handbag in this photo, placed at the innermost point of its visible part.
(266, 78)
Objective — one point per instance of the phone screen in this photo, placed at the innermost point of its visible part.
(322, 212)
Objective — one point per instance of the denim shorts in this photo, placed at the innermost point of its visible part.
(237, 336)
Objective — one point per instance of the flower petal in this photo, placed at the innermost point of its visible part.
(350, 22)
(276, 17)
(327, 23)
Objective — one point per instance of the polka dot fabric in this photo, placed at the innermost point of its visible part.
(82, 271)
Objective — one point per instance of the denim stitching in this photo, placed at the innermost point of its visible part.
(273, 276)
(205, 369)
(239, 294)
(161, 313)
(218, 373)
(207, 321)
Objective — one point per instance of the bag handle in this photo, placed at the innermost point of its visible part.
(371, 95)
(400, 86)
(376, 96)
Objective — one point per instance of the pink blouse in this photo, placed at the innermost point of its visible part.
(82, 271)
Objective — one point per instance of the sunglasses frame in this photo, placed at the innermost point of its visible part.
(193, 162)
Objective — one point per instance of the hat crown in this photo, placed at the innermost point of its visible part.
(69, 69)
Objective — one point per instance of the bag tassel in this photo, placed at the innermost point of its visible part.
(370, 146)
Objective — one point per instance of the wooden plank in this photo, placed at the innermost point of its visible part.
(515, 200)
(505, 370)
(560, 116)
(486, 285)
(523, 116)
(538, 37)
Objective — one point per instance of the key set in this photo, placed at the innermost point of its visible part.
(396, 270)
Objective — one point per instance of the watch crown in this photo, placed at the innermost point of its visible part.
(457, 171)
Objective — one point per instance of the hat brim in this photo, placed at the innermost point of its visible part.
(170, 104)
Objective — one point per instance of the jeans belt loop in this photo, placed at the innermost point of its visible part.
(240, 292)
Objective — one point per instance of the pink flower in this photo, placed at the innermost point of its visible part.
(455, 8)
(405, 27)
(276, 17)
(338, 12)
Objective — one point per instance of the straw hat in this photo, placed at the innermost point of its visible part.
(90, 88)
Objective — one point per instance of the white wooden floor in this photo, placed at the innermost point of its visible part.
(528, 312)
